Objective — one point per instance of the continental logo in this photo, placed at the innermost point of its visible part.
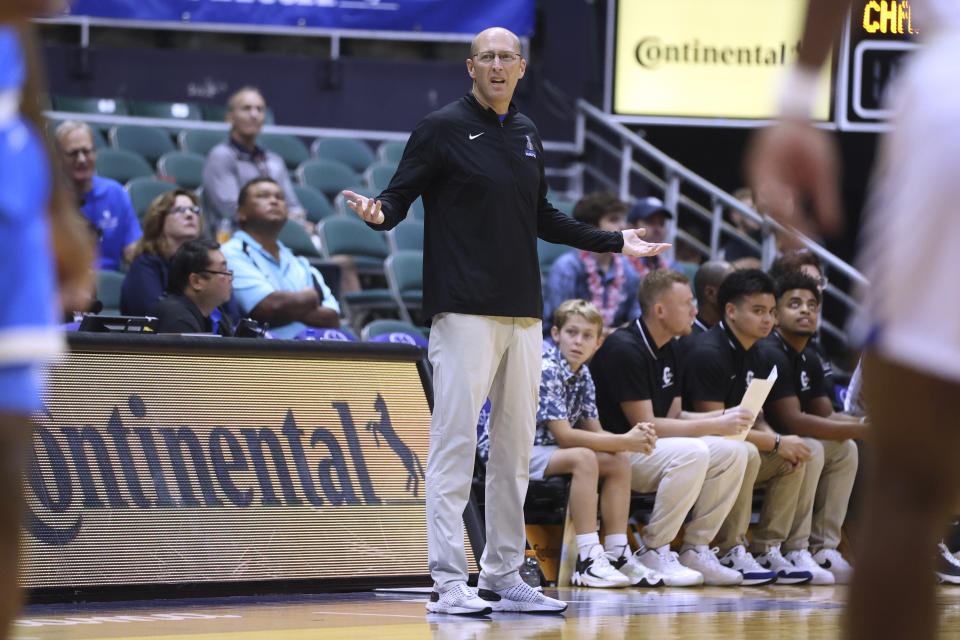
(652, 53)
(125, 466)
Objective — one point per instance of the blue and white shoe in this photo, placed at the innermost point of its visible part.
(753, 574)
(787, 573)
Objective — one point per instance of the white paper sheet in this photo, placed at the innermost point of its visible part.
(754, 398)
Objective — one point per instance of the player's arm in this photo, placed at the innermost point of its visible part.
(820, 29)
(699, 424)
(593, 437)
(789, 416)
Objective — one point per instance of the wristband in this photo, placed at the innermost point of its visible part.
(776, 444)
(797, 93)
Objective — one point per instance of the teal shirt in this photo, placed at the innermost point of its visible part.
(256, 275)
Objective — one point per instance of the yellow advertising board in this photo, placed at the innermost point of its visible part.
(153, 467)
(707, 59)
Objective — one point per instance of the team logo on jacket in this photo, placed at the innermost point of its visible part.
(804, 381)
(529, 151)
(667, 377)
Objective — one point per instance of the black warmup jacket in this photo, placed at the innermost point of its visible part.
(484, 197)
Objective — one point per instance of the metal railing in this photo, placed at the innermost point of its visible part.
(607, 148)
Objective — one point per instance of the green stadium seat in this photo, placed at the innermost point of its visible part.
(404, 271)
(109, 284)
(143, 191)
(406, 236)
(327, 176)
(350, 151)
(288, 147)
(104, 106)
(314, 202)
(378, 175)
(391, 151)
(200, 141)
(296, 238)
(343, 235)
(149, 142)
(186, 169)
(548, 252)
(175, 110)
(122, 165)
(416, 210)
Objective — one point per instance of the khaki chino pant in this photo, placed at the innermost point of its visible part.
(473, 357)
(704, 474)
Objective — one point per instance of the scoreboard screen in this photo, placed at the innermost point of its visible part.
(878, 37)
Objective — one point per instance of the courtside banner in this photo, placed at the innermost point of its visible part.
(433, 16)
(154, 466)
(707, 59)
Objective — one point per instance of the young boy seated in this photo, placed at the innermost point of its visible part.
(570, 440)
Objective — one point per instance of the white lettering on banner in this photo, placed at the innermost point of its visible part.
(154, 617)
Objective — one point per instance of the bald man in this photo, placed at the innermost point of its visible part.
(478, 163)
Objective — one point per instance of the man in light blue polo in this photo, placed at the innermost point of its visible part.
(104, 201)
(269, 282)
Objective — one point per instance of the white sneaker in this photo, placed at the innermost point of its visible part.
(786, 572)
(802, 559)
(832, 561)
(703, 559)
(753, 574)
(460, 600)
(948, 567)
(595, 571)
(523, 598)
(639, 574)
(665, 562)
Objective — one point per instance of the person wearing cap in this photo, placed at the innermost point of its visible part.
(651, 214)
(608, 280)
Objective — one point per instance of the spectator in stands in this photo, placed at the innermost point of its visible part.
(718, 366)
(570, 440)
(104, 201)
(607, 280)
(238, 160)
(638, 381)
(798, 405)
(706, 284)
(199, 283)
(270, 283)
(172, 218)
(650, 214)
(736, 247)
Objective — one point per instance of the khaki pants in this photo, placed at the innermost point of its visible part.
(824, 495)
(704, 474)
(473, 357)
(764, 468)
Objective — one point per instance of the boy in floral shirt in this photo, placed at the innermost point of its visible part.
(570, 440)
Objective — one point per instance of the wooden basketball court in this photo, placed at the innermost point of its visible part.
(731, 613)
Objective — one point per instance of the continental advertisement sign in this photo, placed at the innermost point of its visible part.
(159, 468)
(707, 59)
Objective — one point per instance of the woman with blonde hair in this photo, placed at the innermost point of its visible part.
(173, 218)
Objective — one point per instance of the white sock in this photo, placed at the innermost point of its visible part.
(586, 542)
(614, 544)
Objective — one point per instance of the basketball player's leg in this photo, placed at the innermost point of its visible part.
(912, 489)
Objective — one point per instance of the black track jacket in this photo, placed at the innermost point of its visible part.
(484, 197)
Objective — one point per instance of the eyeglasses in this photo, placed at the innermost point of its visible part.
(73, 154)
(182, 209)
(506, 58)
(227, 273)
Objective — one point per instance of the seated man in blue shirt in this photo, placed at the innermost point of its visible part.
(104, 201)
(270, 283)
